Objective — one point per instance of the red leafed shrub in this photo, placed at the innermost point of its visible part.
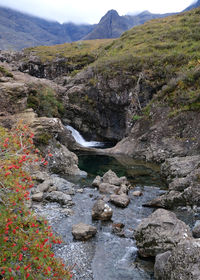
(25, 240)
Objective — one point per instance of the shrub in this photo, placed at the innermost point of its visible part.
(25, 240)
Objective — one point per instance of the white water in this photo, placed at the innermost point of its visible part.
(80, 140)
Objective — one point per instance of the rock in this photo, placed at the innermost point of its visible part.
(40, 176)
(160, 232)
(83, 231)
(60, 197)
(63, 161)
(101, 211)
(160, 262)
(182, 192)
(96, 182)
(80, 191)
(120, 200)
(108, 188)
(38, 197)
(196, 229)
(44, 187)
(137, 193)
(118, 229)
(111, 178)
(179, 166)
(182, 263)
(123, 189)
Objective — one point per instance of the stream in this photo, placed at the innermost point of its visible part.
(106, 256)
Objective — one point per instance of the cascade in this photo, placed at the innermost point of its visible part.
(80, 140)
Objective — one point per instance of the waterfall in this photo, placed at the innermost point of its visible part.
(80, 140)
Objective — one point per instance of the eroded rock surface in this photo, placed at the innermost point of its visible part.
(160, 232)
(101, 211)
(183, 262)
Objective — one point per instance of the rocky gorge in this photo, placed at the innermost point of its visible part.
(152, 112)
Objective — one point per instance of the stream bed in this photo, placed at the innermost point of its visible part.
(106, 256)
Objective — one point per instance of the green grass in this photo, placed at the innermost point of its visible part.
(4, 72)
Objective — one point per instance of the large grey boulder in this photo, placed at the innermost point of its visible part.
(182, 263)
(111, 178)
(83, 231)
(59, 197)
(101, 211)
(120, 200)
(160, 232)
(108, 188)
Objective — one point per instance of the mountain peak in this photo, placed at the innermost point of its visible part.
(194, 5)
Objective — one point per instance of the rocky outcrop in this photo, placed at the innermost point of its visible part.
(160, 232)
(157, 137)
(83, 231)
(196, 229)
(101, 211)
(183, 262)
(183, 175)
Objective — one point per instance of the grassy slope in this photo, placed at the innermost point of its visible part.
(166, 50)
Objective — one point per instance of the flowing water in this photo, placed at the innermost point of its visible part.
(80, 140)
(106, 256)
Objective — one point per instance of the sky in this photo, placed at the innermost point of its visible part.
(91, 11)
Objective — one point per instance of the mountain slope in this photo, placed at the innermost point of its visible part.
(193, 6)
(18, 30)
(112, 25)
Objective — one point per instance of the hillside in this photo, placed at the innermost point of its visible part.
(19, 30)
(152, 65)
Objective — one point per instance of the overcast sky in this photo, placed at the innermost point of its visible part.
(91, 11)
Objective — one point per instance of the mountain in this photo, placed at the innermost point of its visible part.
(193, 6)
(19, 30)
(112, 25)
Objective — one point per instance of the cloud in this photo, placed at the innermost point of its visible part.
(89, 10)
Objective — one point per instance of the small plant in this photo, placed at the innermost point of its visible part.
(136, 117)
(5, 72)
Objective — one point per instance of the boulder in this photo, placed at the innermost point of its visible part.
(59, 197)
(108, 188)
(83, 231)
(196, 229)
(101, 211)
(183, 262)
(97, 181)
(38, 197)
(137, 193)
(120, 200)
(160, 232)
(118, 229)
(111, 178)
(179, 166)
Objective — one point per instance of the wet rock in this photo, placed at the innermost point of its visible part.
(83, 231)
(101, 211)
(80, 191)
(97, 181)
(123, 189)
(160, 232)
(108, 188)
(118, 229)
(182, 263)
(120, 200)
(111, 178)
(60, 197)
(137, 193)
(196, 229)
(38, 197)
